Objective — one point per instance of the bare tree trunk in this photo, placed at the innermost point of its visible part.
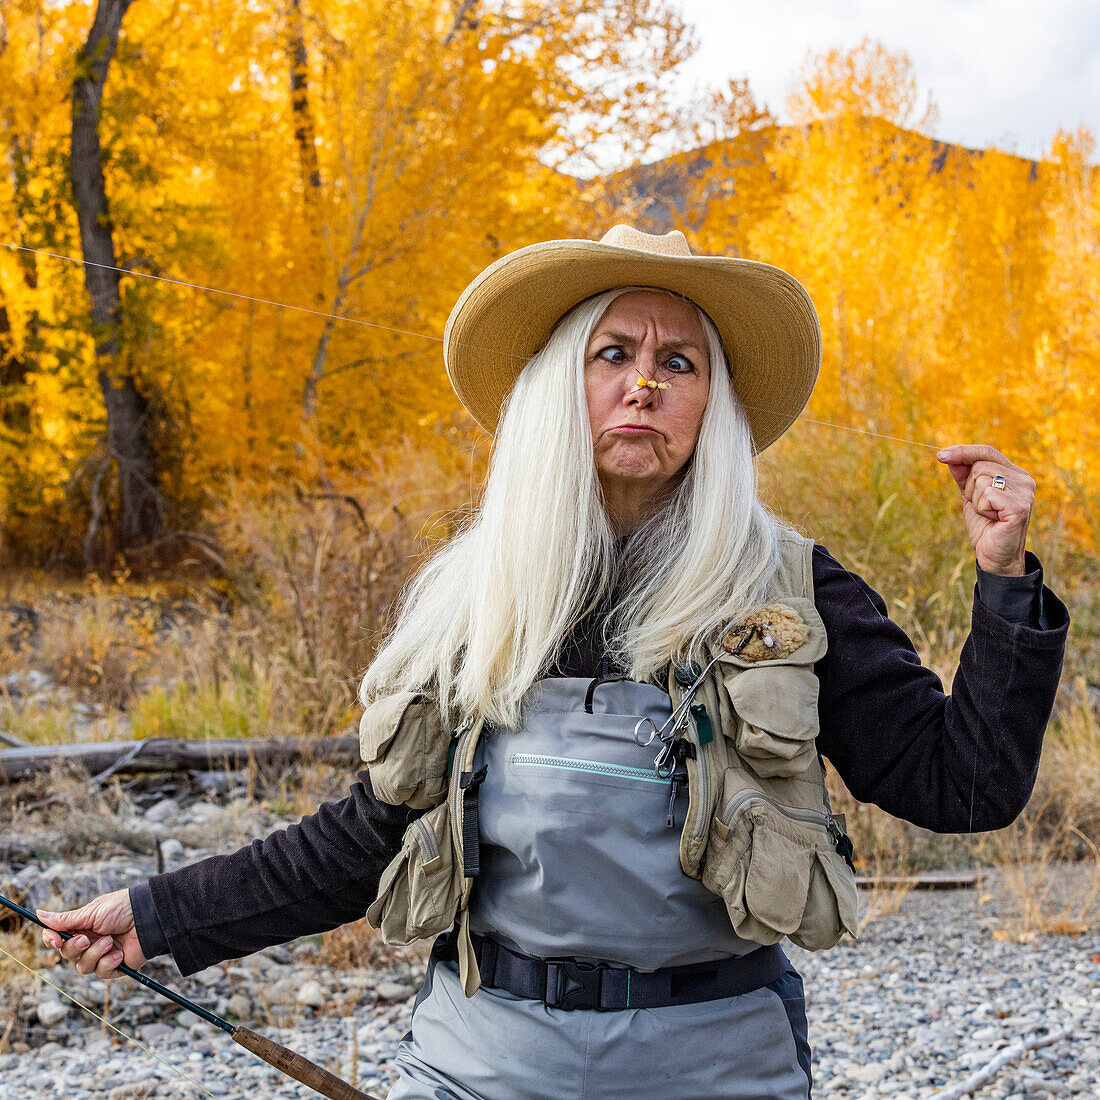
(305, 132)
(127, 439)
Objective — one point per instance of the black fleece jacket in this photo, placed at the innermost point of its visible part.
(963, 762)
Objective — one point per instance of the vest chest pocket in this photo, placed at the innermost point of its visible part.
(402, 743)
(777, 708)
(773, 689)
(419, 891)
(778, 871)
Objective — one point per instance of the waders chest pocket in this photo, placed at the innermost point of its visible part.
(778, 870)
(402, 743)
(419, 891)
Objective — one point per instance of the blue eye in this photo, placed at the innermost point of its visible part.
(613, 354)
(680, 364)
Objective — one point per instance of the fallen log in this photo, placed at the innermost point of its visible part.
(162, 754)
(932, 880)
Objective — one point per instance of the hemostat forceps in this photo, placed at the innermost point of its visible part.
(677, 721)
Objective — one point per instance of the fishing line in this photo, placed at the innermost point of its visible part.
(381, 327)
(226, 293)
(106, 1022)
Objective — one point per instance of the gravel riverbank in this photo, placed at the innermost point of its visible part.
(931, 992)
(924, 999)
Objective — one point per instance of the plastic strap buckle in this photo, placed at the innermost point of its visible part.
(571, 984)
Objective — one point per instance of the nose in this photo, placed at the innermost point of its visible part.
(644, 370)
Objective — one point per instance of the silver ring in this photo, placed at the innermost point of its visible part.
(998, 481)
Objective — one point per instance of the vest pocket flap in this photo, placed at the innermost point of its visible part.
(793, 628)
(419, 890)
(380, 723)
(781, 700)
(401, 742)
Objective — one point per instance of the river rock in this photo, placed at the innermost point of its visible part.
(391, 991)
(162, 811)
(51, 1012)
(312, 994)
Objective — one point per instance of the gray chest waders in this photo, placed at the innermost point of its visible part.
(607, 972)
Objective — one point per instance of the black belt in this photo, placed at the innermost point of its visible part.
(572, 983)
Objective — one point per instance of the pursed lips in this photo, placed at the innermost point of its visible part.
(634, 429)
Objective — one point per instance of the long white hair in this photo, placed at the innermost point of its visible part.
(486, 615)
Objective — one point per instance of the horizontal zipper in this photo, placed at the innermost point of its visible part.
(810, 817)
(593, 767)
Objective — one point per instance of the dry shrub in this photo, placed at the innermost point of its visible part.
(99, 645)
(350, 947)
(315, 575)
(96, 822)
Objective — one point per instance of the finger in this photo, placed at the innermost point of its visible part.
(969, 453)
(89, 960)
(69, 921)
(991, 502)
(983, 474)
(960, 471)
(108, 965)
(72, 949)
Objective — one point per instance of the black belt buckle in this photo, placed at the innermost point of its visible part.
(574, 984)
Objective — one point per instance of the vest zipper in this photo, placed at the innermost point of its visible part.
(425, 838)
(459, 739)
(702, 770)
(810, 817)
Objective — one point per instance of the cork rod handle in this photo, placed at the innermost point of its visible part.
(294, 1065)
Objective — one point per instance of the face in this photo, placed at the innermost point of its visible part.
(644, 435)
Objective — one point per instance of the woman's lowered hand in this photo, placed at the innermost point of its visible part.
(997, 499)
(103, 935)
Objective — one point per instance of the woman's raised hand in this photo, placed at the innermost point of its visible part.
(103, 935)
(996, 512)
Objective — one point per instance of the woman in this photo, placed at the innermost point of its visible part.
(623, 593)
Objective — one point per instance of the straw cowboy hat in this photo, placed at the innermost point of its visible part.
(768, 324)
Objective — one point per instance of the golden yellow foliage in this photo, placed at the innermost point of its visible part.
(361, 161)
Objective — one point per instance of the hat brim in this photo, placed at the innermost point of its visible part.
(767, 322)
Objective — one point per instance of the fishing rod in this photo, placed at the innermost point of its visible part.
(282, 1058)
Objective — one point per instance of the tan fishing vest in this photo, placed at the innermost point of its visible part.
(759, 831)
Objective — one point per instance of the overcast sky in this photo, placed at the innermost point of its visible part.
(1002, 72)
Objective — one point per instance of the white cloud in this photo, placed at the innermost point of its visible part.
(1002, 72)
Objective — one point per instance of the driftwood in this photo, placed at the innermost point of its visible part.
(932, 880)
(1009, 1054)
(161, 754)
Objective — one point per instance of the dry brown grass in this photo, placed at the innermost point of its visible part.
(90, 822)
(1056, 833)
(15, 981)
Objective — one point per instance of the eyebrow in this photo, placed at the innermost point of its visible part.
(626, 338)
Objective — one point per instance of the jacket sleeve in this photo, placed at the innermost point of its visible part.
(963, 762)
(308, 878)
